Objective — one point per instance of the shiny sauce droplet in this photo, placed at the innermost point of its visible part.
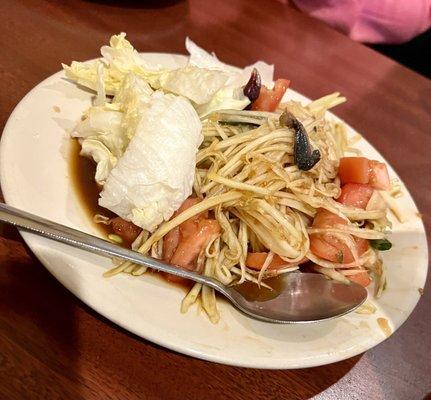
(384, 326)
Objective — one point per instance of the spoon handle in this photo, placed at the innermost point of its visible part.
(72, 237)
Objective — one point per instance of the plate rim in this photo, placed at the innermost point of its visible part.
(323, 359)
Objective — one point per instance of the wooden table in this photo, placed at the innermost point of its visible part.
(54, 347)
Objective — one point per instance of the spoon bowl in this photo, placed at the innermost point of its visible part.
(303, 298)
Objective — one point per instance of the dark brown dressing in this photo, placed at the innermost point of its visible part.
(251, 291)
(82, 172)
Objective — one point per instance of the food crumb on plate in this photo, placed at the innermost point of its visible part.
(56, 109)
(421, 291)
(419, 215)
(384, 326)
(366, 308)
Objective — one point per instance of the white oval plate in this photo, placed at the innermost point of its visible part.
(35, 177)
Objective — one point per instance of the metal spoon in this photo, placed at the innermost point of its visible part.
(304, 297)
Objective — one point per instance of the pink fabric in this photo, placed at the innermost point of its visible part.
(373, 21)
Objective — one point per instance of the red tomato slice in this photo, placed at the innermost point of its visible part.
(362, 245)
(362, 278)
(362, 170)
(170, 243)
(329, 247)
(354, 170)
(326, 219)
(189, 248)
(355, 195)
(268, 100)
(172, 238)
(379, 176)
(182, 245)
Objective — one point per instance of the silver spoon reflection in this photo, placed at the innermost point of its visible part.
(302, 298)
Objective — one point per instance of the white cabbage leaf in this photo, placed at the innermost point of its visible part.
(197, 84)
(104, 125)
(100, 99)
(106, 130)
(102, 138)
(132, 97)
(202, 59)
(120, 59)
(237, 77)
(104, 159)
(156, 173)
(230, 96)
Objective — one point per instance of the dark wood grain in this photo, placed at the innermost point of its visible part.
(54, 347)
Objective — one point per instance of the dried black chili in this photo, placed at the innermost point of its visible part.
(252, 88)
(303, 156)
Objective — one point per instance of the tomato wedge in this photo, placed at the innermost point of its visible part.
(362, 245)
(172, 238)
(170, 243)
(362, 278)
(183, 244)
(379, 176)
(190, 246)
(268, 99)
(354, 170)
(355, 195)
(326, 219)
(364, 171)
(328, 246)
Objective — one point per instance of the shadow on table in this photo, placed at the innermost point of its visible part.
(200, 379)
(37, 326)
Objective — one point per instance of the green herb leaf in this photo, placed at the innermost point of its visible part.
(381, 244)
